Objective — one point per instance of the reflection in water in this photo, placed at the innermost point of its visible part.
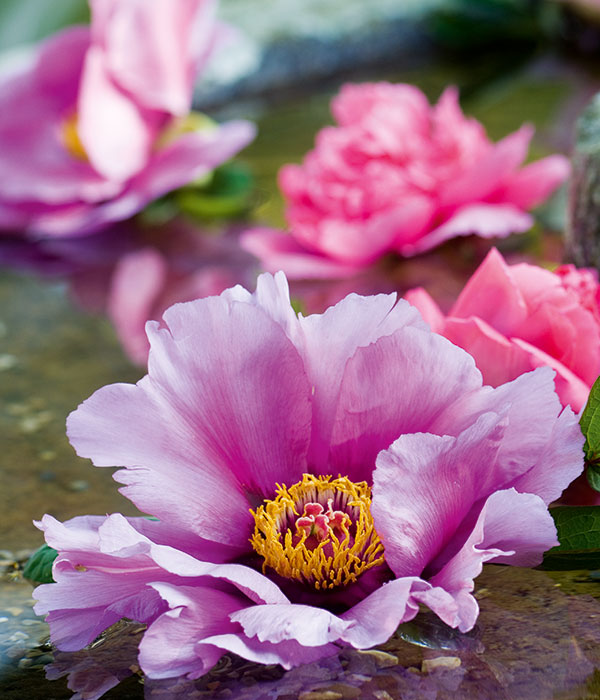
(132, 272)
(537, 637)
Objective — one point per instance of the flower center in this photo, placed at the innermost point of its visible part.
(319, 531)
(70, 137)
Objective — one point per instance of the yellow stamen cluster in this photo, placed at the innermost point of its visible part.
(347, 551)
(71, 138)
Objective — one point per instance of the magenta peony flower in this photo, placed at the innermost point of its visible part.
(513, 318)
(96, 124)
(315, 479)
(398, 175)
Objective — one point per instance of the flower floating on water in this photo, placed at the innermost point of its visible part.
(97, 123)
(397, 175)
(513, 318)
(315, 480)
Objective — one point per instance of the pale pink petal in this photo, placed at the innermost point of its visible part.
(525, 440)
(116, 137)
(377, 402)
(485, 220)
(211, 429)
(171, 39)
(309, 626)
(416, 505)
(170, 646)
(375, 619)
(288, 654)
(513, 528)
(559, 463)
(329, 342)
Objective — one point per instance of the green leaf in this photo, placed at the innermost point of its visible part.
(226, 195)
(579, 536)
(39, 567)
(593, 476)
(590, 423)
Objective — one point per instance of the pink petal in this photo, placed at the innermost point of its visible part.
(416, 505)
(427, 307)
(116, 137)
(171, 38)
(36, 168)
(534, 183)
(280, 251)
(493, 295)
(489, 173)
(572, 390)
(307, 625)
(485, 220)
(170, 647)
(498, 359)
(193, 438)
(329, 342)
(513, 528)
(189, 157)
(376, 403)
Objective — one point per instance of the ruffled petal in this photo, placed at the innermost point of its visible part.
(377, 402)
(525, 440)
(309, 626)
(170, 647)
(512, 528)
(375, 619)
(417, 506)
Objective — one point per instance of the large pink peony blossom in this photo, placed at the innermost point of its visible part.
(95, 124)
(513, 318)
(397, 175)
(228, 441)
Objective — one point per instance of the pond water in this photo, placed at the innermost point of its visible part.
(539, 632)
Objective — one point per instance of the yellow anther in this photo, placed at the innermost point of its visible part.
(336, 553)
(71, 139)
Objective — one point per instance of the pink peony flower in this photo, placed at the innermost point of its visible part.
(512, 318)
(397, 175)
(229, 441)
(96, 124)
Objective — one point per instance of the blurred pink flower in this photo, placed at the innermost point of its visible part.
(96, 124)
(228, 442)
(397, 175)
(512, 318)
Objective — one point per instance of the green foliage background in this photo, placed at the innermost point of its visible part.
(25, 21)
